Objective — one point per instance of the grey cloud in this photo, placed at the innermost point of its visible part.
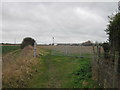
(67, 22)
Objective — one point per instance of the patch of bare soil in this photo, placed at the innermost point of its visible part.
(17, 68)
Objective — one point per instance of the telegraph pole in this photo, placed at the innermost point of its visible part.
(53, 40)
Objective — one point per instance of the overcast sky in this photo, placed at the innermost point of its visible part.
(69, 22)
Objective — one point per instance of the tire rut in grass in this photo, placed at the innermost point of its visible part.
(53, 82)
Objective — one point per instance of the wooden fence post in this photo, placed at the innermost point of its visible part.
(93, 49)
(35, 44)
(115, 69)
(99, 51)
(98, 63)
(93, 64)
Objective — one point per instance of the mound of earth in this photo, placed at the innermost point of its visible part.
(20, 63)
(27, 50)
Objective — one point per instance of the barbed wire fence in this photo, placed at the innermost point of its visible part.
(105, 70)
(67, 50)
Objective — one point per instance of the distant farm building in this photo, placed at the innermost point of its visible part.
(87, 43)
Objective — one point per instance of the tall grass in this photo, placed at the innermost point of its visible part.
(17, 68)
(6, 49)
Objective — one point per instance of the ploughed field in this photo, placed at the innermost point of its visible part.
(71, 49)
(65, 69)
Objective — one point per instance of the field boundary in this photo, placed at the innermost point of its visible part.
(106, 70)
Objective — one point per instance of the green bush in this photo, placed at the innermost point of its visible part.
(27, 41)
(106, 47)
(113, 31)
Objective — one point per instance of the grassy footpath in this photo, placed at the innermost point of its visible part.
(62, 72)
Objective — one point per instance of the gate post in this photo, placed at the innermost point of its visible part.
(35, 44)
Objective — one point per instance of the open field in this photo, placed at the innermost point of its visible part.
(70, 50)
(6, 49)
(21, 69)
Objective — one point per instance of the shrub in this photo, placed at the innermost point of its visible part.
(27, 41)
(113, 31)
(106, 48)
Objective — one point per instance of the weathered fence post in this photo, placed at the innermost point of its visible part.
(99, 51)
(93, 49)
(35, 44)
(115, 70)
(94, 64)
(96, 52)
(97, 64)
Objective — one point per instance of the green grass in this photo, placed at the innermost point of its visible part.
(62, 72)
(6, 49)
(83, 75)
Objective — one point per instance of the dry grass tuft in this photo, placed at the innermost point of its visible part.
(17, 68)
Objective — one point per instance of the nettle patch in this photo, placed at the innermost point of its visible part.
(82, 77)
